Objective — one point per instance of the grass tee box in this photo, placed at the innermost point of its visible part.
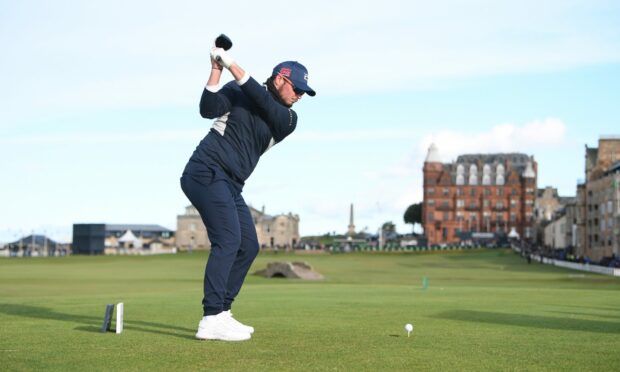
(483, 310)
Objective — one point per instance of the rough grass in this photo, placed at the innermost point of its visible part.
(483, 310)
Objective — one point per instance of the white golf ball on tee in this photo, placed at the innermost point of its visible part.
(408, 328)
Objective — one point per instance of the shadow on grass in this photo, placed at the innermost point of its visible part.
(601, 308)
(532, 321)
(93, 323)
(575, 313)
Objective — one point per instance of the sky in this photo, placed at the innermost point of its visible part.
(99, 102)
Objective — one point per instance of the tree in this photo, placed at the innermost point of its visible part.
(413, 214)
(388, 231)
(388, 227)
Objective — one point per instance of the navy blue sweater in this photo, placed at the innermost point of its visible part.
(248, 121)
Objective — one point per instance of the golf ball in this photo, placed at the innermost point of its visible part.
(408, 327)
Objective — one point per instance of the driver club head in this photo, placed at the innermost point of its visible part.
(223, 42)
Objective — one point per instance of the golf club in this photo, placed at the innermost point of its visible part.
(223, 42)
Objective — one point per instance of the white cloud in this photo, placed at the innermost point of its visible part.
(506, 137)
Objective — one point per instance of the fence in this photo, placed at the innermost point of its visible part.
(573, 265)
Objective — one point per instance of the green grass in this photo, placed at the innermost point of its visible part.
(483, 310)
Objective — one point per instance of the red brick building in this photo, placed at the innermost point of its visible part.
(478, 193)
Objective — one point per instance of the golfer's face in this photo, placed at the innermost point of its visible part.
(288, 93)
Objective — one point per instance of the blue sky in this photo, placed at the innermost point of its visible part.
(99, 106)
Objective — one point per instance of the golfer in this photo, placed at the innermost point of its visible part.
(249, 119)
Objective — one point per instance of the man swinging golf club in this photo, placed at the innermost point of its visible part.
(249, 119)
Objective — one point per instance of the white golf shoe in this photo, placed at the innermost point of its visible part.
(218, 327)
(237, 324)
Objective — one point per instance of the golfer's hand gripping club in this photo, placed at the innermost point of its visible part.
(222, 57)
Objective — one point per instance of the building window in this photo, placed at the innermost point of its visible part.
(514, 191)
(487, 192)
(486, 169)
(446, 191)
(513, 217)
(445, 204)
(460, 179)
(513, 203)
(610, 207)
(472, 192)
(446, 216)
(459, 191)
(499, 180)
(431, 202)
(500, 191)
(473, 169)
(499, 205)
(486, 180)
(431, 217)
(473, 179)
(602, 209)
(460, 203)
(192, 227)
(499, 169)
(485, 203)
(430, 191)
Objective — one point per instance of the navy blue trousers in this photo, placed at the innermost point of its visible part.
(231, 230)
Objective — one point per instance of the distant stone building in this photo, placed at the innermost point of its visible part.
(280, 231)
(549, 207)
(576, 221)
(555, 233)
(479, 193)
(601, 201)
(191, 232)
(548, 203)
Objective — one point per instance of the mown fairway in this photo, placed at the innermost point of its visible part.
(483, 310)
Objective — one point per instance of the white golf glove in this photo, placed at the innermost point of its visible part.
(221, 57)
